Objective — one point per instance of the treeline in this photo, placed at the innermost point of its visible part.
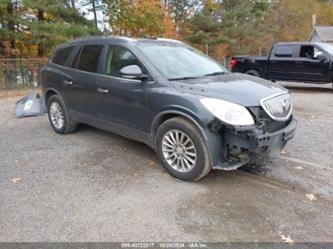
(32, 28)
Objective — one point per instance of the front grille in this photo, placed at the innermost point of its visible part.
(278, 106)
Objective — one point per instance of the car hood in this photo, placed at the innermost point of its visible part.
(238, 88)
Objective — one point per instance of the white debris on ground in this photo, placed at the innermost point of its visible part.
(311, 197)
(285, 239)
(16, 179)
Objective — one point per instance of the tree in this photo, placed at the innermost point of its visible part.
(136, 17)
(292, 21)
(50, 22)
(9, 20)
(181, 11)
(206, 29)
(227, 23)
(93, 6)
(36, 26)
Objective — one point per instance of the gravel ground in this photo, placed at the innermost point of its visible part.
(97, 186)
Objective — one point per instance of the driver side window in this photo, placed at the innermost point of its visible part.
(117, 58)
(307, 52)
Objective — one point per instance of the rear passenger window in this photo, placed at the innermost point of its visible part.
(284, 51)
(117, 58)
(61, 55)
(89, 58)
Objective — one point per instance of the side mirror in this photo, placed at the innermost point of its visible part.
(321, 57)
(133, 72)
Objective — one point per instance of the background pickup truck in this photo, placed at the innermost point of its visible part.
(296, 61)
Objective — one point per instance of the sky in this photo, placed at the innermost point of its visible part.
(101, 18)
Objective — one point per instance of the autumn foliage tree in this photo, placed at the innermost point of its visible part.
(292, 21)
(135, 18)
(220, 28)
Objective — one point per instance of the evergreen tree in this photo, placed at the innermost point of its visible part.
(27, 24)
(9, 27)
(227, 21)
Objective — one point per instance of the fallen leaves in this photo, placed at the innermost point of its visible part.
(311, 197)
(284, 152)
(151, 162)
(16, 179)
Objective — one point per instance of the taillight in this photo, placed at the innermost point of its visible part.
(233, 63)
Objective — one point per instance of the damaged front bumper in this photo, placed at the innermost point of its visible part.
(243, 146)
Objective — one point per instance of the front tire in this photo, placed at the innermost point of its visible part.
(182, 150)
(58, 116)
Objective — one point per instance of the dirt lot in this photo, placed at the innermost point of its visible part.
(96, 186)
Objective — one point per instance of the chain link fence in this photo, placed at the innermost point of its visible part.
(20, 73)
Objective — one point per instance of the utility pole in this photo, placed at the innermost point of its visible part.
(314, 21)
(94, 11)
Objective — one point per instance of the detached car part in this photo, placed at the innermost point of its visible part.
(31, 105)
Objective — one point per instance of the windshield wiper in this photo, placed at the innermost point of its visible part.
(215, 73)
(199, 76)
(187, 78)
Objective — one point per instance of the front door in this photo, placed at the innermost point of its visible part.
(309, 67)
(122, 101)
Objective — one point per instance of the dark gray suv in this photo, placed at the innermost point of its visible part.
(191, 110)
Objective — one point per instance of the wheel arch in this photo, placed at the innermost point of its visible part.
(168, 114)
(252, 68)
(50, 92)
(211, 139)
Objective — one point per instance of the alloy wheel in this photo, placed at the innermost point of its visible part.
(57, 115)
(179, 151)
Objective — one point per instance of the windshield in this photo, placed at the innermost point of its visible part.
(327, 47)
(177, 61)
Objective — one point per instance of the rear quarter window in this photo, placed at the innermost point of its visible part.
(61, 55)
(284, 51)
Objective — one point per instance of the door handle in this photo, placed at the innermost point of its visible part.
(68, 82)
(102, 90)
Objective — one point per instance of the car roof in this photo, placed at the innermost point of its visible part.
(117, 38)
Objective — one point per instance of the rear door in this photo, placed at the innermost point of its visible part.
(122, 101)
(80, 82)
(282, 61)
(53, 72)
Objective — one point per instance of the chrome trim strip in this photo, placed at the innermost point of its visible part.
(272, 97)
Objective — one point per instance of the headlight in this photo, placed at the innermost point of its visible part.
(228, 112)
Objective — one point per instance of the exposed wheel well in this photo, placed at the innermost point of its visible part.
(48, 94)
(162, 119)
(168, 116)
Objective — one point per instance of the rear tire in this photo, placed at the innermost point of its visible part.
(182, 150)
(58, 116)
(253, 73)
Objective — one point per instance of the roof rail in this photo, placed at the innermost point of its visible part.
(169, 40)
